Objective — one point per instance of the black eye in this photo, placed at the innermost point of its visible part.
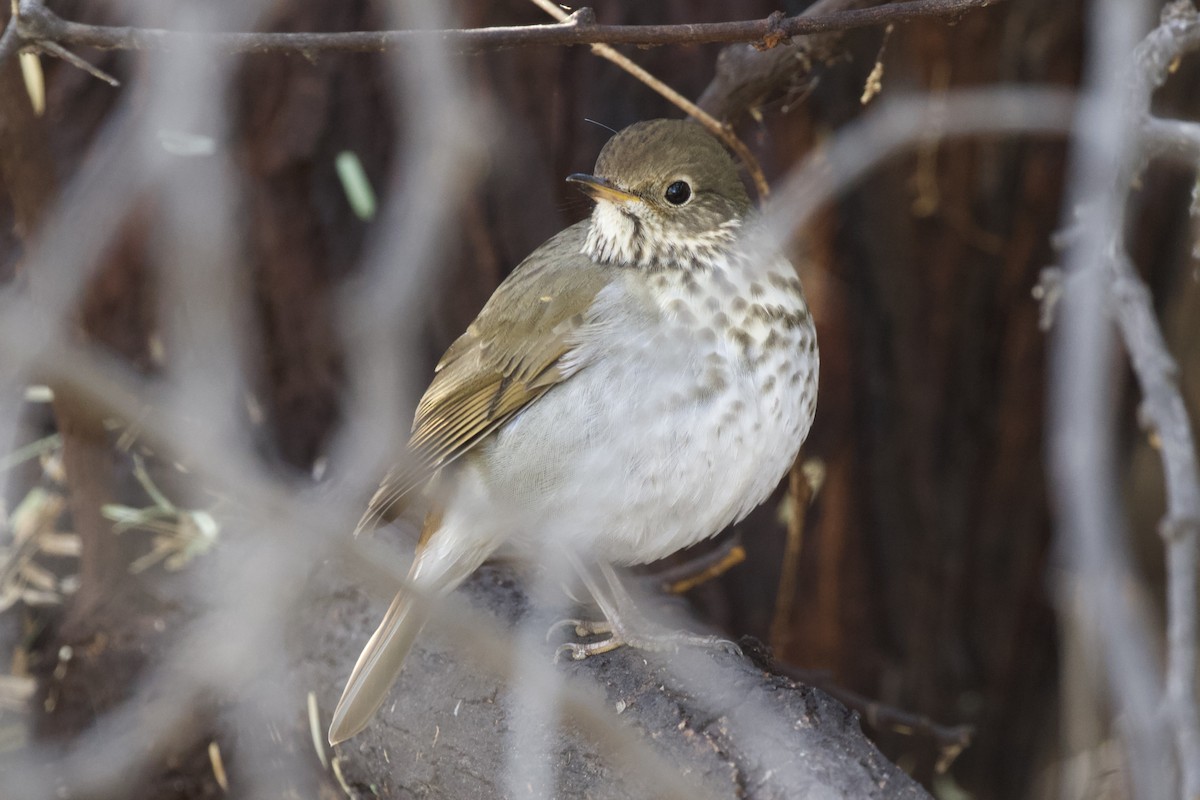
(678, 193)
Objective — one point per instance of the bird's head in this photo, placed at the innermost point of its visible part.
(667, 194)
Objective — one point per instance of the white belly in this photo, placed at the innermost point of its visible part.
(663, 438)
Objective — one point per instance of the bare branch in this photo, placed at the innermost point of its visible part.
(58, 51)
(39, 23)
(1115, 137)
(1163, 405)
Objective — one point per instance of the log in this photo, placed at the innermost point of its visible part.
(447, 730)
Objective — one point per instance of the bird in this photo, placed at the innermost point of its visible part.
(639, 382)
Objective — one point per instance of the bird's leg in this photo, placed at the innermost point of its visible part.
(624, 624)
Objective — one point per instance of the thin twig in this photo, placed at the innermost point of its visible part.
(58, 51)
(40, 23)
(799, 497)
(714, 126)
(703, 569)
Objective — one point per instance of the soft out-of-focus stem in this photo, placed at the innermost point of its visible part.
(29, 177)
(799, 497)
(1116, 137)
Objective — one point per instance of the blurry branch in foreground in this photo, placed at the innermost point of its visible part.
(36, 25)
(1156, 706)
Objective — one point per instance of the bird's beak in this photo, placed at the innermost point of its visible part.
(600, 189)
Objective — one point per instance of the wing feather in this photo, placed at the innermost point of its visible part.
(518, 348)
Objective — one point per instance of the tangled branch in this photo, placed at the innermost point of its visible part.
(35, 24)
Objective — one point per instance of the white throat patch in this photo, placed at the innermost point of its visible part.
(624, 238)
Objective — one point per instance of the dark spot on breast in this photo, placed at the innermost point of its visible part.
(681, 311)
(786, 283)
(714, 382)
(723, 283)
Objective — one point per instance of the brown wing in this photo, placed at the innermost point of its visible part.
(511, 355)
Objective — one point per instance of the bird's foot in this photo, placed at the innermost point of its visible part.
(645, 636)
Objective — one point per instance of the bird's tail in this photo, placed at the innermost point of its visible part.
(443, 561)
(377, 666)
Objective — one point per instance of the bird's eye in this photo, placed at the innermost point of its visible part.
(678, 193)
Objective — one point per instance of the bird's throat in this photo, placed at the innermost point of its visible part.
(625, 237)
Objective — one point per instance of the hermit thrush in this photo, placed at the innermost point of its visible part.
(639, 382)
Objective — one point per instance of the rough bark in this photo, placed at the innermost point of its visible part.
(446, 731)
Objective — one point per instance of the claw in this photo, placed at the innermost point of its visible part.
(578, 651)
(561, 624)
(571, 650)
(655, 642)
(623, 624)
(581, 627)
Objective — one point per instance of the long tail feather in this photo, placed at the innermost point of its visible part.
(377, 667)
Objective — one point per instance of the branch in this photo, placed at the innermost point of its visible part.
(1163, 407)
(38, 23)
(747, 76)
(1164, 410)
(1102, 271)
